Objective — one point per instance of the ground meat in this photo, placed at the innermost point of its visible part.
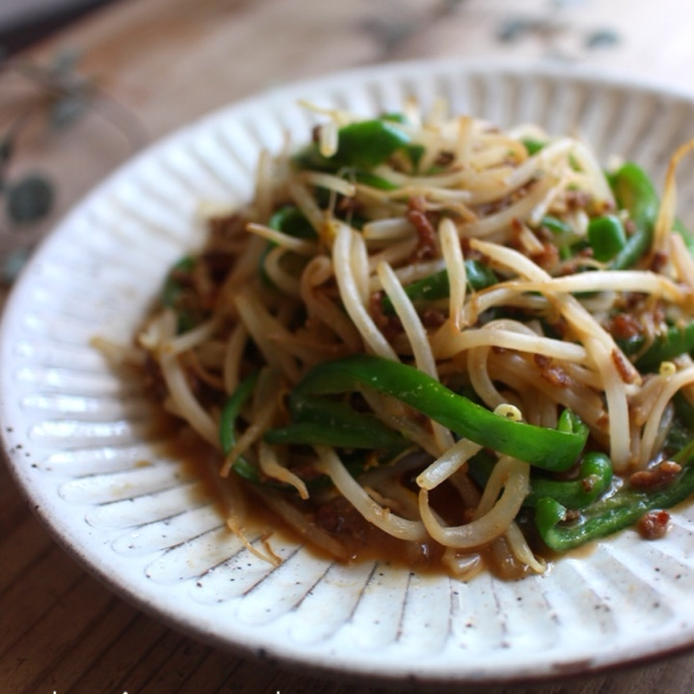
(340, 517)
(550, 371)
(444, 159)
(218, 265)
(619, 360)
(631, 300)
(204, 285)
(153, 380)
(390, 325)
(560, 327)
(433, 318)
(226, 227)
(603, 422)
(588, 483)
(653, 525)
(416, 214)
(346, 204)
(574, 264)
(548, 258)
(624, 326)
(470, 253)
(306, 470)
(516, 229)
(658, 476)
(659, 261)
(578, 199)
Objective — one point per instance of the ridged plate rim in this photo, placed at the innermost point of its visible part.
(82, 541)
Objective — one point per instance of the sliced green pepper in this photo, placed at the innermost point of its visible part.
(682, 429)
(678, 436)
(227, 426)
(666, 346)
(290, 220)
(350, 429)
(606, 237)
(684, 409)
(594, 478)
(369, 179)
(415, 153)
(532, 146)
(635, 193)
(546, 448)
(362, 145)
(564, 235)
(618, 511)
(172, 290)
(172, 287)
(394, 117)
(436, 286)
(329, 423)
(560, 229)
(632, 344)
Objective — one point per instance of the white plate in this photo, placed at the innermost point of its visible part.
(77, 434)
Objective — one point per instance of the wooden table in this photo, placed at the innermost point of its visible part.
(162, 63)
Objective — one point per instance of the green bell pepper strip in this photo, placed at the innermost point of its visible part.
(329, 423)
(364, 145)
(563, 234)
(594, 478)
(172, 290)
(394, 117)
(290, 220)
(415, 152)
(673, 342)
(570, 422)
(557, 227)
(678, 436)
(606, 237)
(684, 409)
(635, 193)
(369, 179)
(546, 448)
(367, 144)
(436, 286)
(227, 426)
(532, 146)
(618, 511)
(389, 440)
(631, 345)
(682, 429)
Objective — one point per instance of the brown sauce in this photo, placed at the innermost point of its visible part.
(363, 542)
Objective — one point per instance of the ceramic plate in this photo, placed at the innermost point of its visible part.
(80, 443)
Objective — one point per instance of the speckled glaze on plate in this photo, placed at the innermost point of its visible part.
(79, 443)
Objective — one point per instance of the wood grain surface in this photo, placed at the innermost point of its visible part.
(162, 63)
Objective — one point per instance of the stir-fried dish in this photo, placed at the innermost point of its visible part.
(462, 344)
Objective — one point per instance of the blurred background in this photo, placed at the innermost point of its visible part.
(84, 84)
